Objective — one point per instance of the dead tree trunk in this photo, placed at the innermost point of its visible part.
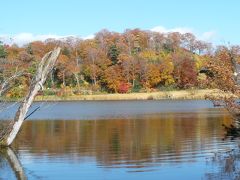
(44, 68)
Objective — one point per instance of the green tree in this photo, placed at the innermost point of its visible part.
(113, 54)
(3, 53)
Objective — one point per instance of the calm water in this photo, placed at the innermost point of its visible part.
(117, 140)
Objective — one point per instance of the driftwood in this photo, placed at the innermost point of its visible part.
(46, 65)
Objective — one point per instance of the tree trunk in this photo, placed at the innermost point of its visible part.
(52, 80)
(44, 68)
(64, 83)
(77, 80)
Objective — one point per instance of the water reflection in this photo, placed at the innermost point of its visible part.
(227, 164)
(171, 138)
(140, 145)
(9, 159)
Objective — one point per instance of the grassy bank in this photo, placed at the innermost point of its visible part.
(181, 94)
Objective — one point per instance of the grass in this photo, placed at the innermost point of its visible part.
(177, 94)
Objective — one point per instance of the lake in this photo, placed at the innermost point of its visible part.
(119, 140)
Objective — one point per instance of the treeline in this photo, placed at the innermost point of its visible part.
(132, 61)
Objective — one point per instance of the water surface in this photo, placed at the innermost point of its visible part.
(119, 140)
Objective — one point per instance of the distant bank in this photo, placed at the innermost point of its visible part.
(181, 94)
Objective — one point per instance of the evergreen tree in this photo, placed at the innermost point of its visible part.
(113, 53)
(3, 53)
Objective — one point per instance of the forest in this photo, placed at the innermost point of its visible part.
(111, 62)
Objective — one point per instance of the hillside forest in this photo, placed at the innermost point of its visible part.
(111, 62)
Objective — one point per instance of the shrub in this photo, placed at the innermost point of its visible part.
(123, 87)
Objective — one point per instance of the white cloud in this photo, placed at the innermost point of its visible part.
(181, 30)
(205, 36)
(91, 36)
(24, 38)
(208, 36)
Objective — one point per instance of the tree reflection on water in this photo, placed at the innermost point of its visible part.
(127, 142)
(156, 143)
(9, 156)
(227, 163)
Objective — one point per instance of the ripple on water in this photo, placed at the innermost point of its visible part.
(147, 138)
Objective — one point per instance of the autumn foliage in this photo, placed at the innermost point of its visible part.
(135, 60)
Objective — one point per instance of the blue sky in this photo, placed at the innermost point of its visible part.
(211, 20)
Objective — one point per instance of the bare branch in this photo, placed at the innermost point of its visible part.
(44, 68)
(6, 84)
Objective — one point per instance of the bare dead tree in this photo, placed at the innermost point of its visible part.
(45, 67)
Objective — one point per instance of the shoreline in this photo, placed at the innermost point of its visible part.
(161, 95)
